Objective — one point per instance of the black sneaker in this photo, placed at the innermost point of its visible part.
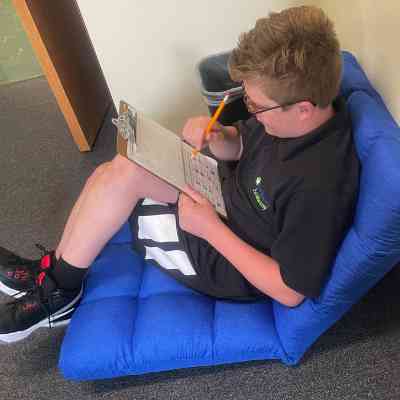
(46, 305)
(17, 274)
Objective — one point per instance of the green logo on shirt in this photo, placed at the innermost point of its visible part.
(260, 195)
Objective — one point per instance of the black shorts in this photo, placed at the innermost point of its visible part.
(159, 238)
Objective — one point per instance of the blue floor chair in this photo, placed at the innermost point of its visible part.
(134, 319)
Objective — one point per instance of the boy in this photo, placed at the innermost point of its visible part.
(290, 198)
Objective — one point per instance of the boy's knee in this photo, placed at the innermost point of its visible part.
(112, 170)
(123, 170)
(102, 168)
(99, 171)
(121, 163)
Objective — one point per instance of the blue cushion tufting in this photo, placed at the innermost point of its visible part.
(135, 319)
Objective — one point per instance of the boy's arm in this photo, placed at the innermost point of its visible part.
(227, 145)
(260, 270)
(224, 141)
(197, 216)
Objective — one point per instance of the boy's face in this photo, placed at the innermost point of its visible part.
(277, 122)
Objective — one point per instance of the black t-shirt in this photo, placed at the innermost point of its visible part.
(292, 199)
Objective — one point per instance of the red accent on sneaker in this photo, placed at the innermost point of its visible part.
(45, 262)
(40, 278)
(29, 306)
(21, 275)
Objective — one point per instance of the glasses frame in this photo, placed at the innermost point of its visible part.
(247, 103)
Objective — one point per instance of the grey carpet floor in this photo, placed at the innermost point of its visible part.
(41, 174)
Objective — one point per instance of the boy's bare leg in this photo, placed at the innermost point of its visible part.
(105, 204)
(75, 210)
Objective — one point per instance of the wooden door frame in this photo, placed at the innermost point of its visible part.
(62, 45)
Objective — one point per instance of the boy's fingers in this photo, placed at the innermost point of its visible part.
(186, 198)
(196, 196)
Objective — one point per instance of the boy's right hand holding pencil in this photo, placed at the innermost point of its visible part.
(193, 132)
(220, 138)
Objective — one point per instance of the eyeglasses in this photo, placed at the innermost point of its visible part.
(253, 109)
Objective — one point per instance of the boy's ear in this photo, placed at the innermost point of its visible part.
(306, 110)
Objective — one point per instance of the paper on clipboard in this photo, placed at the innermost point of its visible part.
(164, 154)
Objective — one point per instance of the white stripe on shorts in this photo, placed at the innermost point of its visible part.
(161, 228)
(151, 202)
(175, 259)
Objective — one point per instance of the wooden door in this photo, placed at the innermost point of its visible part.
(62, 45)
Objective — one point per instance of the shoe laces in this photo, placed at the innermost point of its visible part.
(42, 248)
(38, 295)
(37, 290)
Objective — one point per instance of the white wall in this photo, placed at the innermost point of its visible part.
(148, 49)
(370, 29)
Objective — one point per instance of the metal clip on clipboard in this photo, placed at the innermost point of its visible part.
(126, 124)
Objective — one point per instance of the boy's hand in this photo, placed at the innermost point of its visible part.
(196, 214)
(193, 132)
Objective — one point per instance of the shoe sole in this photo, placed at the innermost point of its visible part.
(11, 292)
(55, 321)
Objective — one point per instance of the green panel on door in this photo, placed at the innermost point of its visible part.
(17, 59)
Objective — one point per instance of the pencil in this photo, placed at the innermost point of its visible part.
(212, 122)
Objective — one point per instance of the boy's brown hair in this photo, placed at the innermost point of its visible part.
(294, 55)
